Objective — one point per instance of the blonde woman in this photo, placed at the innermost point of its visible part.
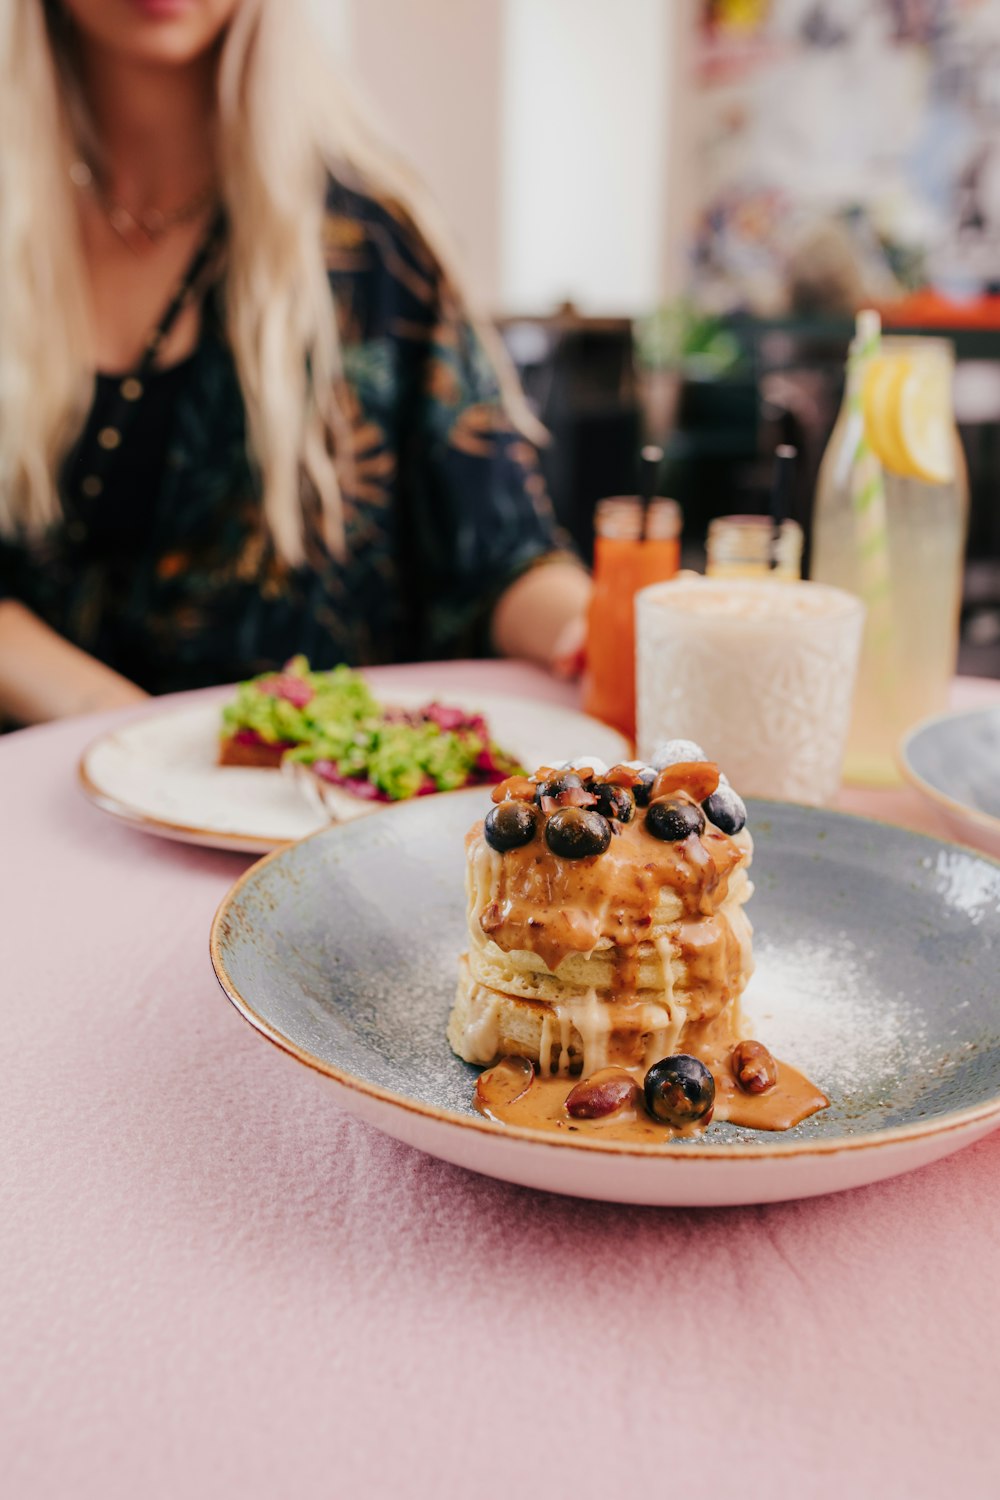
(242, 411)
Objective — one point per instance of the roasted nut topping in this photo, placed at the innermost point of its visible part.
(502, 1084)
(753, 1067)
(562, 781)
(622, 776)
(603, 1093)
(699, 778)
(573, 796)
(521, 787)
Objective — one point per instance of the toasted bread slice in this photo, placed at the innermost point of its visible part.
(234, 752)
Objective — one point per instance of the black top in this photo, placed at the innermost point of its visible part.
(118, 520)
(169, 575)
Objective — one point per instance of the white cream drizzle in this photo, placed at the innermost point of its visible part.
(586, 1014)
(482, 1034)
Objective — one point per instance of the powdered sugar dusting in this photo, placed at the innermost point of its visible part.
(818, 1004)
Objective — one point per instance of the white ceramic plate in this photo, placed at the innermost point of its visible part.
(954, 761)
(159, 772)
(877, 974)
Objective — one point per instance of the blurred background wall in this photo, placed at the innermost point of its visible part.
(675, 208)
(545, 129)
(611, 152)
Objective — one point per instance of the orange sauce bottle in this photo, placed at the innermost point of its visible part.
(625, 561)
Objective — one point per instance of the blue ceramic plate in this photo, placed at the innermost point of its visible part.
(954, 760)
(878, 973)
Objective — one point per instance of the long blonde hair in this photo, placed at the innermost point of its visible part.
(283, 124)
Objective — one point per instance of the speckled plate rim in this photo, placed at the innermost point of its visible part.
(955, 1120)
(214, 838)
(183, 833)
(962, 810)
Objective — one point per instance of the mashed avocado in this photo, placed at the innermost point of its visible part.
(295, 705)
(401, 759)
(332, 720)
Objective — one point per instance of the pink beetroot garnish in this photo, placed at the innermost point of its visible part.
(444, 717)
(487, 768)
(326, 770)
(251, 737)
(294, 690)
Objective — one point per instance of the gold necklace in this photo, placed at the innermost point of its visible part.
(140, 227)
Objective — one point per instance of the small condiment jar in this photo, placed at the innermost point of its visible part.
(631, 550)
(753, 547)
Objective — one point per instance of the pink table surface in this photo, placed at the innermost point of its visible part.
(215, 1282)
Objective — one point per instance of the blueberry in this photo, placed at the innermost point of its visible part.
(511, 824)
(614, 801)
(670, 819)
(674, 752)
(726, 809)
(679, 1090)
(577, 833)
(585, 762)
(557, 784)
(646, 778)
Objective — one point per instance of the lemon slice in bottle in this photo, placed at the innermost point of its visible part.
(884, 380)
(925, 423)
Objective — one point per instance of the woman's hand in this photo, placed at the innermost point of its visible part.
(43, 676)
(569, 655)
(542, 617)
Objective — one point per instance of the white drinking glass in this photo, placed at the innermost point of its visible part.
(760, 672)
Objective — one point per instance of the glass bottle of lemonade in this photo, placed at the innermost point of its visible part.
(889, 525)
(633, 546)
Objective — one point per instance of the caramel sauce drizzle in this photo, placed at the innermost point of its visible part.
(555, 907)
(528, 899)
(542, 1107)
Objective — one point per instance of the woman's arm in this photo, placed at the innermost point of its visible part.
(44, 677)
(542, 617)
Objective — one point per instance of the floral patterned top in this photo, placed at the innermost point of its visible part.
(444, 502)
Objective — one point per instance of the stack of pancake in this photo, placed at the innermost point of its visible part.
(618, 958)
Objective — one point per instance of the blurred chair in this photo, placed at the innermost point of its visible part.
(578, 375)
(713, 455)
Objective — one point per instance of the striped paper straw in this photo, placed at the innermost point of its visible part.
(867, 484)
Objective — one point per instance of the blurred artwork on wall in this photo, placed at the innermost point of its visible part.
(847, 150)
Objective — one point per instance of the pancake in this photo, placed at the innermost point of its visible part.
(619, 958)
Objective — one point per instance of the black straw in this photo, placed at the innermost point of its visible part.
(783, 482)
(650, 459)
